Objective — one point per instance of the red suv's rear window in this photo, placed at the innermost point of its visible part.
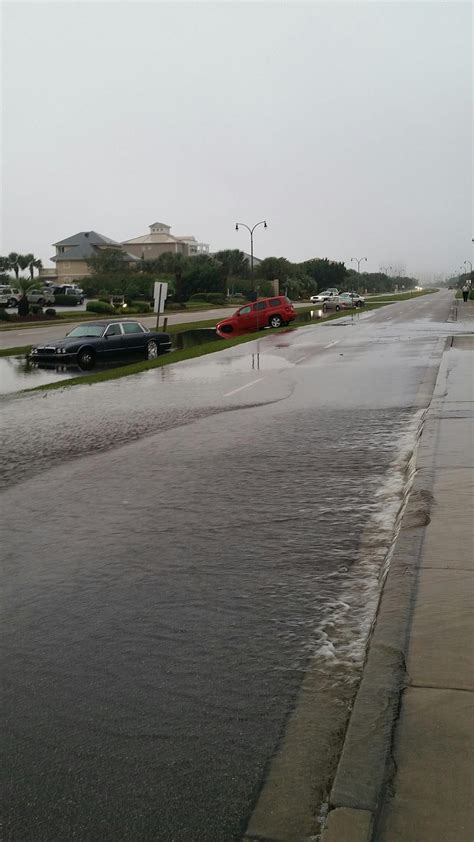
(275, 302)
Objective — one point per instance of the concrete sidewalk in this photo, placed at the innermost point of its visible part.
(407, 769)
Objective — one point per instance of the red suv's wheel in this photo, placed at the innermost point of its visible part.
(275, 321)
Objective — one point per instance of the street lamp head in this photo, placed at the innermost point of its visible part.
(265, 225)
(236, 226)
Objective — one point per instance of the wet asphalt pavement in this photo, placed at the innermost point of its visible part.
(176, 546)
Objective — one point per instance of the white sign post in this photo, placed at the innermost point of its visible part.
(160, 293)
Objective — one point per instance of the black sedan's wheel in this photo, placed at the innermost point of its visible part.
(275, 321)
(325, 308)
(337, 307)
(86, 359)
(13, 302)
(152, 350)
(40, 301)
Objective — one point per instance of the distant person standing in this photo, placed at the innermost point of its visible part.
(465, 291)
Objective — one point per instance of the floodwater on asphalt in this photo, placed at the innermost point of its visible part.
(17, 374)
(178, 546)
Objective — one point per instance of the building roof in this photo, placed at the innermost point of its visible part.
(152, 238)
(86, 244)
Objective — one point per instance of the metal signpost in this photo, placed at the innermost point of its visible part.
(160, 293)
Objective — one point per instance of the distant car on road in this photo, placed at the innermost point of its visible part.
(265, 312)
(101, 341)
(351, 298)
(40, 296)
(324, 296)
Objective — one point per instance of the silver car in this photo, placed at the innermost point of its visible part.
(352, 299)
(323, 296)
(40, 296)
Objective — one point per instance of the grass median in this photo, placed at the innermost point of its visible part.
(187, 353)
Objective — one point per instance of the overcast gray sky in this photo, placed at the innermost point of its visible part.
(346, 125)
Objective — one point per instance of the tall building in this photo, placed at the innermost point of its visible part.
(160, 240)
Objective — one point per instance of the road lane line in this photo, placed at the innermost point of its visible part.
(332, 343)
(234, 391)
(301, 359)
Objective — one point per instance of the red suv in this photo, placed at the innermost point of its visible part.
(266, 312)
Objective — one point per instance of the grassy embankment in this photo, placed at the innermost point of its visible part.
(471, 294)
(179, 356)
(402, 296)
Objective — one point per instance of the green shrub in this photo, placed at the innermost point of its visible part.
(4, 316)
(100, 307)
(66, 300)
(199, 296)
(142, 306)
(36, 309)
(127, 311)
(174, 305)
(216, 298)
(50, 311)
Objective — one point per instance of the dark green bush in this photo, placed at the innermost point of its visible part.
(66, 300)
(4, 316)
(50, 311)
(216, 298)
(174, 305)
(142, 306)
(36, 309)
(100, 307)
(199, 296)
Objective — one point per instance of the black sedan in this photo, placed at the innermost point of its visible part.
(101, 341)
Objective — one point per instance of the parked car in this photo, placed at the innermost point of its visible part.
(101, 341)
(265, 312)
(352, 299)
(324, 296)
(40, 296)
(9, 297)
(68, 289)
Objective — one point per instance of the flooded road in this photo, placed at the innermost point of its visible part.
(177, 547)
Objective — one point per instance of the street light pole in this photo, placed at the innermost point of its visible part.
(357, 260)
(251, 230)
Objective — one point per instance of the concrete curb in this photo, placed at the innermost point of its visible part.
(365, 768)
(347, 825)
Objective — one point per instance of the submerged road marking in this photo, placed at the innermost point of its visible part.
(246, 386)
(301, 359)
(332, 343)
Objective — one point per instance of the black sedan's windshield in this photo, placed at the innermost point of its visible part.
(87, 330)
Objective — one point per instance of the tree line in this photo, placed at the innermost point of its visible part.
(17, 263)
(225, 272)
(228, 272)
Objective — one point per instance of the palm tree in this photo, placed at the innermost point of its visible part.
(24, 260)
(24, 285)
(35, 263)
(5, 264)
(13, 261)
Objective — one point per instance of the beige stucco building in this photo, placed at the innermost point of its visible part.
(73, 253)
(160, 240)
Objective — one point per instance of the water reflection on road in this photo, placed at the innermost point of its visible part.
(163, 597)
